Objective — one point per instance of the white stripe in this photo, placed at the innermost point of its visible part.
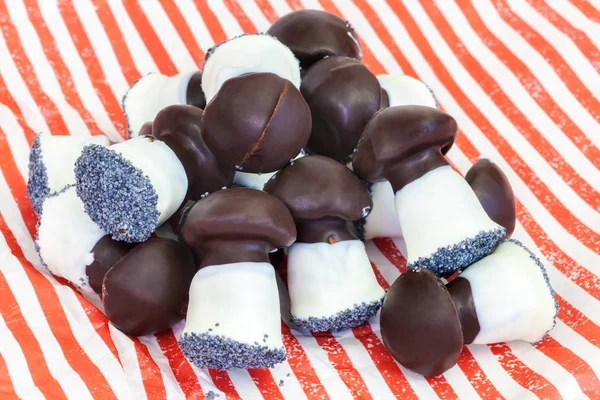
(565, 383)
(512, 87)
(17, 142)
(504, 126)
(167, 34)
(172, 389)
(197, 25)
(255, 15)
(139, 53)
(18, 370)
(573, 56)
(570, 339)
(286, 381)
(460, 383)
(280, 7)
(577, 19)
(540, 68)
(227, 21)
(129, 360)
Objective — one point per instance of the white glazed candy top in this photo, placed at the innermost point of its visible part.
(403, 90)
(246, 54)
(66, 237)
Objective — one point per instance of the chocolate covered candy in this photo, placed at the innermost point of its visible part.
(179, 127)
(332, 285)
(313, 35)
(153, 92)
(256, 123)
(443, 224)
(257, 181)
(51, 162)
(146, 291)
(404, 90)
(132, 187)
(503, 297)
(245, 54)
(234, 318)
(342, 95)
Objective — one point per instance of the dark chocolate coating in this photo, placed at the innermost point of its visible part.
(106, 253)
(313, 35)
(401, 144)
(460, 291)
(327, 230)
(419, 324)
(194, 93)
(237, 225)
(256, 122)
(146, 129)
(276, 258)
(179, 127)
(343, 95)
(494, 193)
(147, 290)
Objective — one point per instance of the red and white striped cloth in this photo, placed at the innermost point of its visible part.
(520, 77)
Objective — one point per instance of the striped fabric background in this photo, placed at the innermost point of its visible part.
(520, 77)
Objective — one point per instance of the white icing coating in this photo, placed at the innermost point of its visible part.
(383, 219)
(403, 90)
(66, 237)
(439, 209)
(256, 181)
(242, 298)
(246, 54)
(512, 298)
(150, 94)
(160, 164)
(324, 279)
(59, 154)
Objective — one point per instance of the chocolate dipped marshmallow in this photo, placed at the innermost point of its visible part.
(503, 297)
(130, 188)
(330, 279)
(313, 35)
(404, 90)
(71, 245)
(248, 53)
(153, 92)
(256, 123)
(234, 318)
(51, 164)
(179, 127)
(342, 95)
(443, 224)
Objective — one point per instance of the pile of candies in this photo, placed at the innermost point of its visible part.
(286, 142)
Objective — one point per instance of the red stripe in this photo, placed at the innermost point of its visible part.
(223, 383)
(263, 379)
(295, 4)
(268, 10)
(587, 9)
(245, 22)
(552, 56)
(7, 390)
(577, 367)
(578, 36)
(531, 84)
(50, 304)
(36, 363)
(90, 60)
(8, 100)
(117, 40)
(47, 107)
(477, 378)
(388, 248)
(211, 21)
(508, 108)
(183, 30)
(151, 377)
(150, 38)
(577, 321)
(380, 279)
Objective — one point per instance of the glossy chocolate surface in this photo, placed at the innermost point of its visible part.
(106, 253)
(179, 127)
(276, 258)
(460, 291)
(342, 95)
(419, 324)
(313, 35)
(256, 122)
(146, 129)
(494, 193)
(238, 224)
(401, 144)
(195, 94)
(326, 230)
(147, 290)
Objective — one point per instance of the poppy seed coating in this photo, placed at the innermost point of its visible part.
(348, 318)
(37, 184)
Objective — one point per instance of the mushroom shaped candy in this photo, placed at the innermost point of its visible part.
(503, 297)
(51, 164)
(146, 291)
(153, 92)
(245, 54)
(257, 181)
(443, 224)
(404, 90)
(313, 35)
(132, 187)
(342, 95)
(179, 127)
(332, 285)
(233, 319)
(71, 245)
(256, 123)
